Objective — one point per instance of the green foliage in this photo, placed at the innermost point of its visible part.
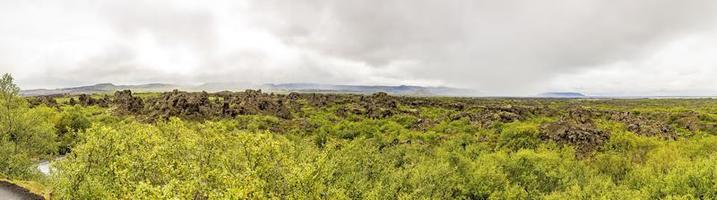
(8, 89)
(24, 133)
(519, 135)
(324, 156)
(324, 152)
(72, 121)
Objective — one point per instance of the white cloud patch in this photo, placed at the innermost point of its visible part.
(685, 66)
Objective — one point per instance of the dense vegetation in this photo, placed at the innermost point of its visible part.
(253, 145)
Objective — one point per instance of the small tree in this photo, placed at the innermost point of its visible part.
(9, 104)
(8, 114)
(24, 133)
(7, 87)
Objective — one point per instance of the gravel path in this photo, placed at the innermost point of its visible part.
(12, 192)
(9, 194)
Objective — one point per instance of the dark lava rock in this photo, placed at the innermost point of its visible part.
(87, 100)
(126, 103)
(642, 125)
(182, 104)
(253, 102)
(379, 105)
(584, 136)
(43, 100)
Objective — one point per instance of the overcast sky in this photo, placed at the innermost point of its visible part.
(499, 47)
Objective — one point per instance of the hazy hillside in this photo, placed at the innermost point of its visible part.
(236, 86)
(364, 89)
(562, 95)
(100, 88)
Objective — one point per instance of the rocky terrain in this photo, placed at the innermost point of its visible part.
(574, 123)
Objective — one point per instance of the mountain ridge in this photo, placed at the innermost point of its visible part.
(270, 87)
(562, 95)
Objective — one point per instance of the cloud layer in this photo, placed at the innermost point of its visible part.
(512, 47)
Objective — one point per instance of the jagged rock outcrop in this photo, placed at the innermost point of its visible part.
(87, 100)
(126, 103)
(182, 104)
(577, 131)
(376, 106)
(49, 101)
(252, 102)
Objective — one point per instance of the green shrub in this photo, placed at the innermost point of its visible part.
(72, 121)
(519, 135)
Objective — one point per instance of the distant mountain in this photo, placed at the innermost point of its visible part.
(223, 86)
(285, 87)
(364, 89)
(562, 95)
(99, 88)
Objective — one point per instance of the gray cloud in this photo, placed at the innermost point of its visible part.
(170, 25)
(489, 44)
(501, 47)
